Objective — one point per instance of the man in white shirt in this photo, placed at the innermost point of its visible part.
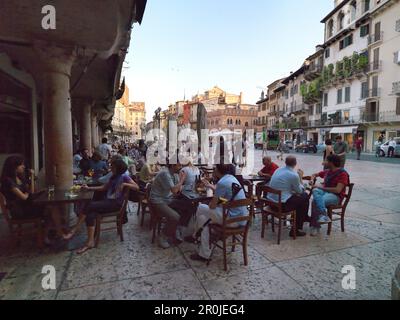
(392, 148)
(104, 149)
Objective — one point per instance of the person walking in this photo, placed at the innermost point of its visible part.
(341, 148)
(392, 148)
(359, 145)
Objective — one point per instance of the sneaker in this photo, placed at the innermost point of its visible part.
(314, 232)
(324, 219)
(163, 243)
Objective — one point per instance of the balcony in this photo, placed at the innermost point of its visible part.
(375, 38)
(375, 66)
(379, 117)
(396, 88)
(374, 93)
(299, 108)
(313, 72)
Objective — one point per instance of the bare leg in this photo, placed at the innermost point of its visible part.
(90, 241)
(76, 228)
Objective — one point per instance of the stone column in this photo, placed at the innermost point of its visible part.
(86, 124)
(95, 132)
(55, 71)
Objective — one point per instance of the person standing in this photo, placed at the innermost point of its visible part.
(329, 149)
(392, 148)
(359, 145)
(294, 197)
(105, 149)
(341, 148)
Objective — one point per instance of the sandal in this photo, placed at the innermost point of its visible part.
(84, 249)
(68, 236)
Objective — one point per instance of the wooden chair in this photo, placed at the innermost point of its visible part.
(15, 225)
(221, 233)
(340, 210)
(248, 188)
(143, 206)
(156, 222)
(275, 210)
(115, 218)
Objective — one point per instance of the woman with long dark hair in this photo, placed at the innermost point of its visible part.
(19, 193)
(113, 201)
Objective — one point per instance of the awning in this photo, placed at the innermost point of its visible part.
(339, 130)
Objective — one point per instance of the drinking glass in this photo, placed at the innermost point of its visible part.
(51, 190)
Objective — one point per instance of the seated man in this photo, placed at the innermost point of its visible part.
(294, 197)
(332, 192)
(267, 172)
(163, 189)
(215, 211)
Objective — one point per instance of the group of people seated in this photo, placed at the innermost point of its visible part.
(294, 196)
(173, 189)
(172, 192)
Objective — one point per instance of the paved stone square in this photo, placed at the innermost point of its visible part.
(308, 268)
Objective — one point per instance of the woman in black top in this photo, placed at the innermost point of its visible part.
(18, 191)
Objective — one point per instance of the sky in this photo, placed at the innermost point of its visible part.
(185, 47)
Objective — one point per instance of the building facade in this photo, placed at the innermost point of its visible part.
(233, 117)
(136, 119)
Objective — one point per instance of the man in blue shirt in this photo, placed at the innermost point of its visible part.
(289, 182)
(214, 211)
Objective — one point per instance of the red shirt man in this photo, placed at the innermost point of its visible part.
(269, 168)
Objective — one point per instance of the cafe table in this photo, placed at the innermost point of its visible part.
(61, 197)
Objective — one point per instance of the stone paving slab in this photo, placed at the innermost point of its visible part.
(117, 261)
(176, 285)
(321, 274)
(265, 284)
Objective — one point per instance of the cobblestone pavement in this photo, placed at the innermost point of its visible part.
(308, 268)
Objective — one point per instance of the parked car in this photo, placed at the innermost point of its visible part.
(307, 147)
(385, 148)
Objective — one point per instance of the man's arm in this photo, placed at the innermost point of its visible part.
(337, 190)
(297, 185)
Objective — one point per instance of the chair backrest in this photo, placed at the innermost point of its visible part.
(348, 195)
(277, 206)
(4, 209)
(232, 205)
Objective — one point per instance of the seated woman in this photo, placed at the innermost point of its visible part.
(99, 166)
(113, 202)
(19, 193)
